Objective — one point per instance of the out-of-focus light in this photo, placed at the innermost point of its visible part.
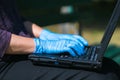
(66, 10)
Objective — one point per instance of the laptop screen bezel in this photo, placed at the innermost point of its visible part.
(111, 26)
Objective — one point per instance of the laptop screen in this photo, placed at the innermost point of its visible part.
(110, 27)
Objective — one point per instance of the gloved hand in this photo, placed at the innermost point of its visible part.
(47, 35)
(58, 46)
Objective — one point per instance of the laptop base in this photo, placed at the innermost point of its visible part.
(64, 62)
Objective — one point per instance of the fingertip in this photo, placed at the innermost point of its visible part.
(71, 52)
(81, 52)
(86, 43)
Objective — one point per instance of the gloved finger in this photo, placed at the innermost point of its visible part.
(81, 39)
(77, 48)
(70, 51)
(73, 44)
(76, 38)
(76, 41)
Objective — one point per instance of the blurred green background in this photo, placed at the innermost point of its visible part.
(86, 17)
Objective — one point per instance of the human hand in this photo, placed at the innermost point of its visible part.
(58, 46)
(47, 35)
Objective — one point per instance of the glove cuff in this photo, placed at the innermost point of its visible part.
(44, 33)
(38, 48)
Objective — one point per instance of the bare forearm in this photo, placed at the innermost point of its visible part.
(24, 45)
(20, 45)
(32, 28)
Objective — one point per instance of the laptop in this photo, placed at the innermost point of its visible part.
(93, 57)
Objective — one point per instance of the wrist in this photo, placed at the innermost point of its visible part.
(38, 48)
(20, 45)
(44, 33)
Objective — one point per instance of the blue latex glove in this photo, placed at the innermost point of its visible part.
(58, 46)
(47, 35)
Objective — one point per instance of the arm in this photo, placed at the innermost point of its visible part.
(24, 45)
(20, 45)
(32, 28)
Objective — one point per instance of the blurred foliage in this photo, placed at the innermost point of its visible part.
(113, 52)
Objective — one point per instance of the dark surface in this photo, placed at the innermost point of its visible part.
(22, 69)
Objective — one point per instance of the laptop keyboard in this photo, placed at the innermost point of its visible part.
(89, 55)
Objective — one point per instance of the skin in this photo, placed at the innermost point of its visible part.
(24, 45)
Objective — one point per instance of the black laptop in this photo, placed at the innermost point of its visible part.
(92, 59)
